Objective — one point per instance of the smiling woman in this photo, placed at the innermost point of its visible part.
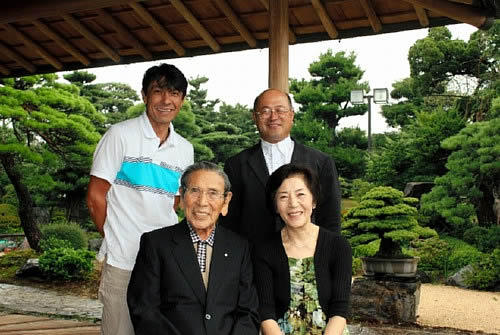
(303, 274)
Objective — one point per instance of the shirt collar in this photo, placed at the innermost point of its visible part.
(284, 146)
(150, 133)
(196, 238)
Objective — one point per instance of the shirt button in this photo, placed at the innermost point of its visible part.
(208, 316)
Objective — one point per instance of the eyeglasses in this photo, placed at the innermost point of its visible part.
(266, 112)
(196, 192)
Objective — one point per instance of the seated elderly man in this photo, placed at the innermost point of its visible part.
(195, 277)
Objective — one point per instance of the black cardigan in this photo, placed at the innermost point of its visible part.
(332, 264)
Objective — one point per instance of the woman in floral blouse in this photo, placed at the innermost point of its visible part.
(303, 274)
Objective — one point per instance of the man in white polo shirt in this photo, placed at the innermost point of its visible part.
(133, 186)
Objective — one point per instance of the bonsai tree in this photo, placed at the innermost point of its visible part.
(384, 213)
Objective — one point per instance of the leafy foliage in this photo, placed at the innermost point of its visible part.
(326, 96)
(48, 137)
(111, 99)
(72, 233)
(415, 154)
(9, 219)
(67, 263)
(486, 273)
(484, 239)
(383, 213)
(53, 243)
(467, 192)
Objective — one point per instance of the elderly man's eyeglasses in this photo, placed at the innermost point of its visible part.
(196, 192)
(266, 112)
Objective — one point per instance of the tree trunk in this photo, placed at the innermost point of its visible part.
(26, 213)
(389, 249)
(485, 209)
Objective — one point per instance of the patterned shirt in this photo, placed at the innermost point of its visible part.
(201, 250)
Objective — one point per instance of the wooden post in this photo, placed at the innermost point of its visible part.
(278, 44)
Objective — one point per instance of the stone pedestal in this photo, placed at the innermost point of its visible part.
(385, 300)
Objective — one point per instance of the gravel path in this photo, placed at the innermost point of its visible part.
(448, 306)
(440, 306)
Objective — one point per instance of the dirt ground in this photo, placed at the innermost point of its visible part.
(448, 306)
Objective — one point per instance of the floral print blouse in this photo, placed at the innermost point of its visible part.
(304, 315)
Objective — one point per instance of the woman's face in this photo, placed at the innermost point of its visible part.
(294, 202)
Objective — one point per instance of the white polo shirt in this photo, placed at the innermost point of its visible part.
(144, 180)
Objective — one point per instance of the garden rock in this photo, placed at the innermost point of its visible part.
(385, 301)
(458, 279)
(95, 244)
(423, 277)
(416, 189)
(30, 269)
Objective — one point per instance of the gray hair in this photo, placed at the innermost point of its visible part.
(205, 166)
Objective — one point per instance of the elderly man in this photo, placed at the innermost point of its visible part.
(195, 277)
(249, 171)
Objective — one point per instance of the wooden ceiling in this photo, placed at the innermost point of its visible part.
(42, 36)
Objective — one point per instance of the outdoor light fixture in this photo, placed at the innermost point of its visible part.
(357, 97)
(380, 96)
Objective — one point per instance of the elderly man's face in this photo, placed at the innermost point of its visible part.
(273, 127)
(204, 200)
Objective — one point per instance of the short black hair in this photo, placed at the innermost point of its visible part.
(256, 101)
(286, 171)
(167, 76)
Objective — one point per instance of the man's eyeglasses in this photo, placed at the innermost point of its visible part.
(266, 112)
(196, 192)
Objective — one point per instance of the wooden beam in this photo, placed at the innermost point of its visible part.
(422, 16)
(292, 38)
(125, 33)
(278, 45)
(195, 23)
(325, 19)
(371, 15)
(13, 11)
(236, 22)
(456, 11)
(17, 57)
(30, 44)
(61, 41)
(158, 28)
(91, 37)
(4, 70)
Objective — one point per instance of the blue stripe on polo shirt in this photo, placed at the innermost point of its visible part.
(146, 176)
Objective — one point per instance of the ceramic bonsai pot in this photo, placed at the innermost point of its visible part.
(395, 267)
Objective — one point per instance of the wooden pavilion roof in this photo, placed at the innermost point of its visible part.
(62, 35)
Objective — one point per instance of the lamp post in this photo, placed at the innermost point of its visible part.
(380, 96)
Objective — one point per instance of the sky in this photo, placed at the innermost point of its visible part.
(238, 77)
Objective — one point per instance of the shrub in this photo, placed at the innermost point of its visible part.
(359, 188)
(9, 219)
(67, 263)
(357, 266)
(53, 243)
(11, 262)
(461, 254)
(66, 232)
(17, 257)
(485, 274)
(484, 239)
(434, 256)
